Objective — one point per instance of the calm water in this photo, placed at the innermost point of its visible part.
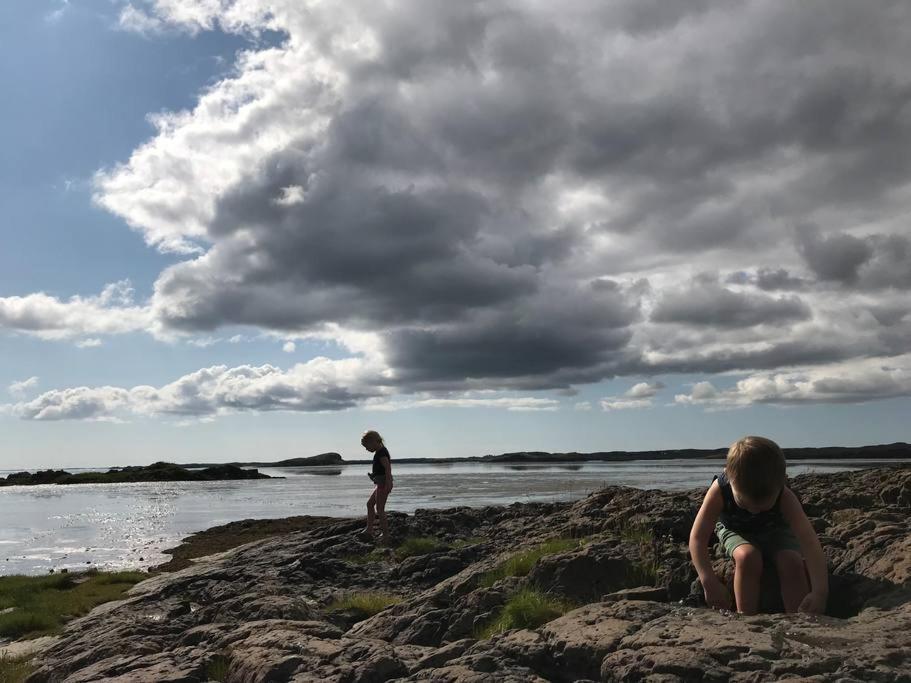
(128, 525)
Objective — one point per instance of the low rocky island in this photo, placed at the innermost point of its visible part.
(159, 471)
(597, 589)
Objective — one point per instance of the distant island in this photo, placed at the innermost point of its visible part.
(159, 471)
(892, 451)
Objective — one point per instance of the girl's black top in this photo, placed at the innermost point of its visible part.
(736, 518)
(378, 468)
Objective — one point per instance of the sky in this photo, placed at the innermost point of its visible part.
(253, 229)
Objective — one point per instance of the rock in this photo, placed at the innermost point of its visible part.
(262, 608)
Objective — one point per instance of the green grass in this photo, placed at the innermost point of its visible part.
(217, 668)
(42, 604)
(636, 533)
(410, 547)
(15, 670)
(521, 563)
(466, 542)
(375, 555)
(419, 545)
(367, 603)
(644, 571)
(528, 608)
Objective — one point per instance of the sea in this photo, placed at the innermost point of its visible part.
(128, 526)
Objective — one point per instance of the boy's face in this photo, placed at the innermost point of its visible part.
(753, 506)
(370, 444)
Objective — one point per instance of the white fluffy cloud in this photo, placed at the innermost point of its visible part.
(525, 196)
(639, 395)
(319, 385)
(23, 386)
(110, 312)
(852, 382)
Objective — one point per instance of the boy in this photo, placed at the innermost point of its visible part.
(757, 518)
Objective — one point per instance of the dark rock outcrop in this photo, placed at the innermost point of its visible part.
(159, 471)
(263, 610)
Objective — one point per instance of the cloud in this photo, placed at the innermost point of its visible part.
(708, 303)
(638, 396)
(90, 343)
(22, 387)
(79, 403)
(852, 382)
(110, 312)
(521, 196)
(319, 385)
(613, 403)
(510, 403)
(289, 347)
(644, 390)
(56, 15)
(135, 20)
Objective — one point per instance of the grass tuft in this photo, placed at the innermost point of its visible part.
(521, 563)
(217, 668)
(467, 542)
(15, 670)
(367, 603)
(528, 608)
(42, 604)
(419, 545)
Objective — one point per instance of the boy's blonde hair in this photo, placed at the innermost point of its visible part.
(756, 467)
(372, 434)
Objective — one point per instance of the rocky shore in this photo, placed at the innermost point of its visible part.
(629, 609)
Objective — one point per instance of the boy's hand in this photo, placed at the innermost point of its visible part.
(716, 594)
(813, 603)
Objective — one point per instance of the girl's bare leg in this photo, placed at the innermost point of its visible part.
(381, 495)
(747, 572)
(371, 513)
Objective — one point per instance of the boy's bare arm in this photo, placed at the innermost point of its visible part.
(716, 595)
(813, 554)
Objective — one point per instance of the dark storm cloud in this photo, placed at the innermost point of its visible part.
(458, 186)
(558, 337)
(769, 279)
(708, 303)
(869, 262)
(833, 257)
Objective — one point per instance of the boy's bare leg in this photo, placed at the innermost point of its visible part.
(792, 575)
(747, 573)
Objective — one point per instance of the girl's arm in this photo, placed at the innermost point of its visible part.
(716, 595)
(813, 554)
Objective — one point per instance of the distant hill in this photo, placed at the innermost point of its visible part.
(881, 452)
(313, 461)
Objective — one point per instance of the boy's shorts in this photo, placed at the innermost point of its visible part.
(769, 542)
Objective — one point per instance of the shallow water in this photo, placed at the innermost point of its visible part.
(116, 526)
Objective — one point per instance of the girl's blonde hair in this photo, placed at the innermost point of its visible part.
(372, 434)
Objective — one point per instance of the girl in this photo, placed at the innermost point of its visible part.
(381, 474)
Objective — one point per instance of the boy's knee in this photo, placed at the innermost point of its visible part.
(789, 562)
(748, 558)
